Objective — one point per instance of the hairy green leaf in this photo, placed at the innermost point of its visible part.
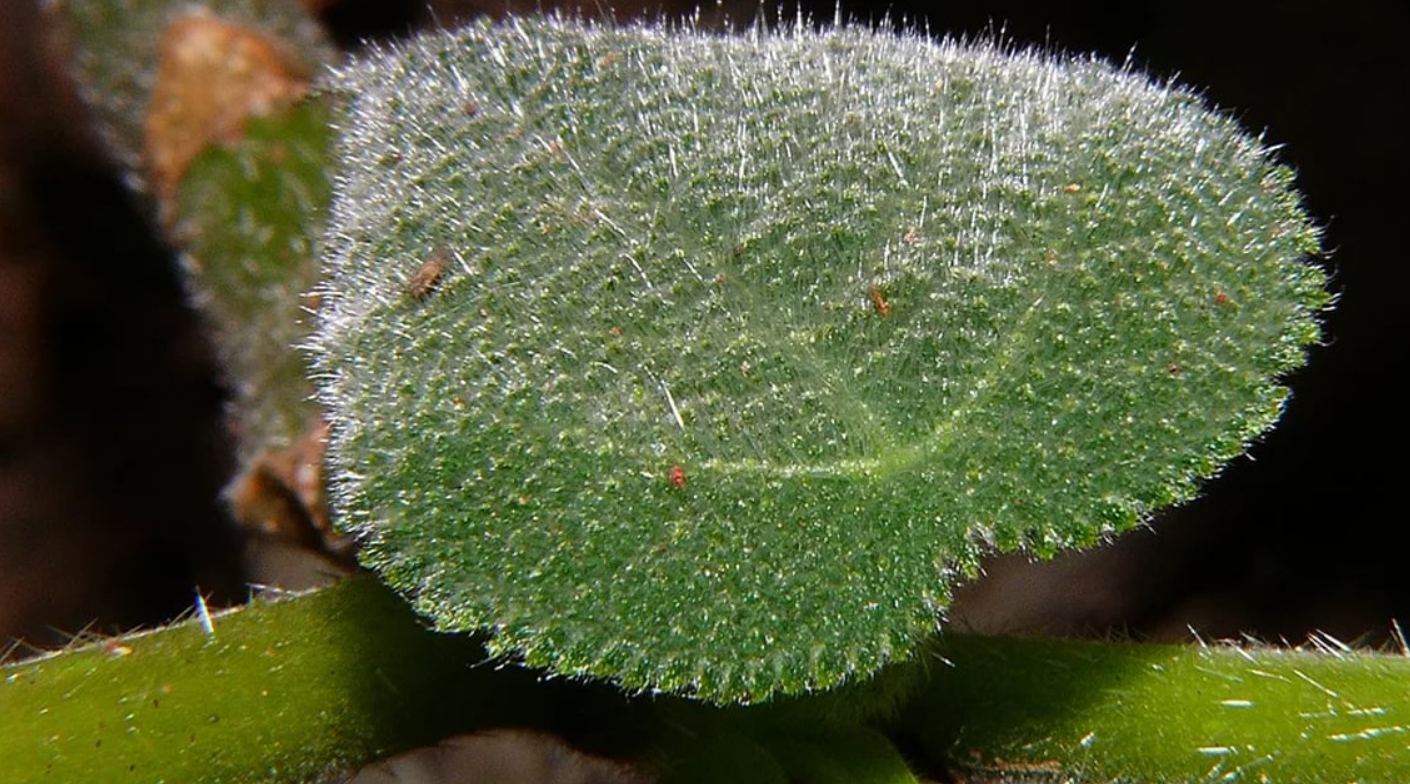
(707, 364)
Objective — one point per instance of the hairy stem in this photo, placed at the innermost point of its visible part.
(1103, 711)
(282, 691)
(290, 690)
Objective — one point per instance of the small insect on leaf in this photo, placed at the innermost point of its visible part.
(428, 277)
(1221, 298)
(677, 476)
(878, 301)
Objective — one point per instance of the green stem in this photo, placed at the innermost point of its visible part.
(288, 691)
(1102, 711)
(280, 691)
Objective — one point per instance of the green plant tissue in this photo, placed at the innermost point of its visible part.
(708, 364)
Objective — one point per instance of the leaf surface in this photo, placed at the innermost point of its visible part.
(742, 350)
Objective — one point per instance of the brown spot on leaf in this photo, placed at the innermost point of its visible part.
(427, 278)
(878, 301)
(212, 76)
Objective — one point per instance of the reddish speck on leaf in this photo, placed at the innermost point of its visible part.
(677, 476)
(428, 276)
(878, 301)
(1221, 298)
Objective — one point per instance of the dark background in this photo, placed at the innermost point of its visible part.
(112, 452)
